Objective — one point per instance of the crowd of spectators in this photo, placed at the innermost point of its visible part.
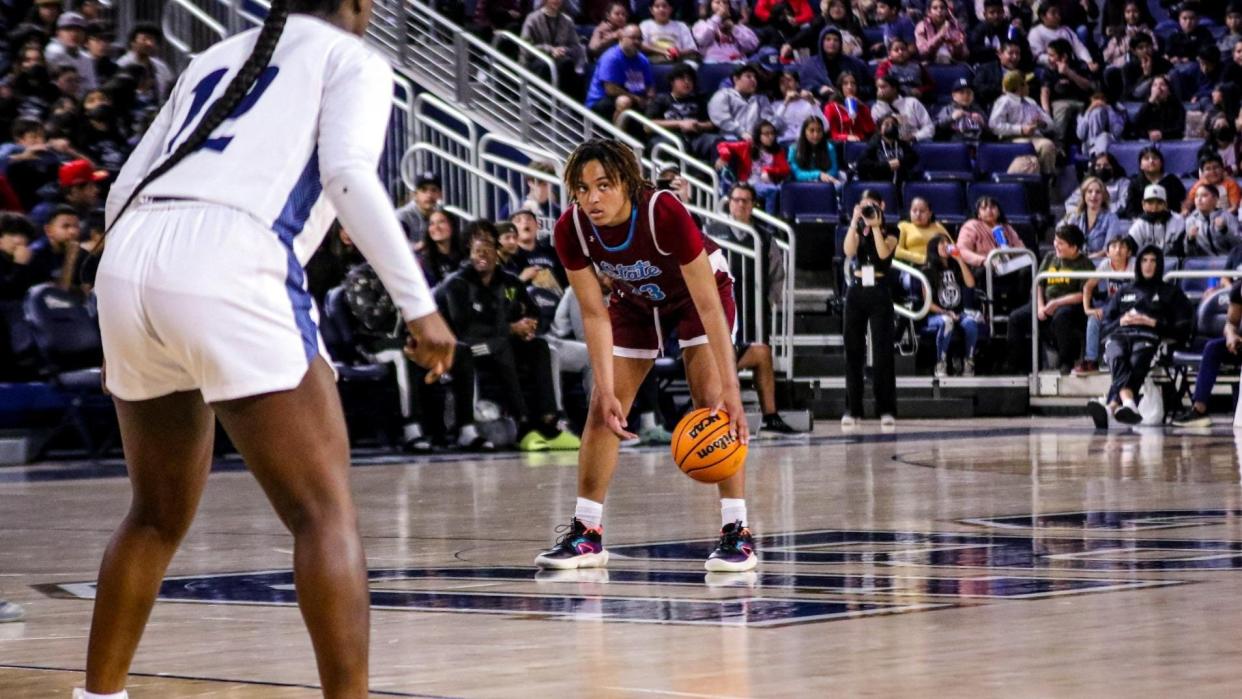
(770, 93)
(75, 98)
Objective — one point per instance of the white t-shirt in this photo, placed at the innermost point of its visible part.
(319, 110)
(673, 33)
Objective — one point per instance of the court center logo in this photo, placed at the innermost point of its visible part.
(806, 577)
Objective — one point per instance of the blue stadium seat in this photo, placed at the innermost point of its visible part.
(945, 160)
(946, 199)
(1194, 288)
(853, 151)
(1131, 109)
(995, 158)
(1127, 154)
(1010, 195)
(660, 72)
(67, 335)
(809, 202)
(887, 191)
(1210, 319)
(1181, 157)
(945, 76)
(712, 75)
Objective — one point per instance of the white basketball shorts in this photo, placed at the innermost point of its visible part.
(201, 296)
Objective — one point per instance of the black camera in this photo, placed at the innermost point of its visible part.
(870, 212)
(664, 183)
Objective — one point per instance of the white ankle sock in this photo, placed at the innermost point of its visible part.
(732, 510)
(119, 695)
(589, 512)
(646, 421)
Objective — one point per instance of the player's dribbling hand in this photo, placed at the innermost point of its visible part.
(732, 404)
(431, 345)
(610, 410)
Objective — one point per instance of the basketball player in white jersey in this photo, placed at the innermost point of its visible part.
(204, 313)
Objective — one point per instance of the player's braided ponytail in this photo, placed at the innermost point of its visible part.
(245, 79)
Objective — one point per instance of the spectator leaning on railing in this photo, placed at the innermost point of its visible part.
(623, 78)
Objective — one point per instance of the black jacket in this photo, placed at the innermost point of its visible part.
(873, 165)
(1157, 298)
(480, 314)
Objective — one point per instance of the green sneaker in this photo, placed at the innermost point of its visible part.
(533, 441)
(655, 435)
(565, 441)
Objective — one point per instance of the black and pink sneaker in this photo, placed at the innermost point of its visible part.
(579, 546)
(735, 553)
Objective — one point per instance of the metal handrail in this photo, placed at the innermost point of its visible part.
(527, 48)
(790, 247)
(917, 275)
(989, 274)
(705, 193)
(642, 120)
(427, 99)
(476, 176)
(755, 253)
(197, 13)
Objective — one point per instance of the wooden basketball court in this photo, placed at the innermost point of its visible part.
(1015, 558)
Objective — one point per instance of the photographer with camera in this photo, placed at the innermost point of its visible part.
(869, 247)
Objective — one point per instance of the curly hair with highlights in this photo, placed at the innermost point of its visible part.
(620, 165)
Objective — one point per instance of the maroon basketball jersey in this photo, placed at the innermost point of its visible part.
(645, 254)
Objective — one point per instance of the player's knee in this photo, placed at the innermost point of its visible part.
(319, 512)
(168, 523)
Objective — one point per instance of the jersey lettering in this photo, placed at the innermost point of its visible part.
(204, 89)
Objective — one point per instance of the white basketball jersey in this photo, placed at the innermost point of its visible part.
(321, 106)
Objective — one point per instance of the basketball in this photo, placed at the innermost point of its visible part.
(703, 447)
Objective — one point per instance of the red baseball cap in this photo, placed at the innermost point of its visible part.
(82, 171)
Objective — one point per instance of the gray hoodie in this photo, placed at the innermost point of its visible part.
(736, 116)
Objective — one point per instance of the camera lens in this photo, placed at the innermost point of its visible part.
(869, 211)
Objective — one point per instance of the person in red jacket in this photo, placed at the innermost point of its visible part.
(802, 11)
(760, 162)
(849, 118)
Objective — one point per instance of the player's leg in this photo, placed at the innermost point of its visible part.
(168, 443)
(735, 552)
(757, 357)
(295, 444)
(581, 546)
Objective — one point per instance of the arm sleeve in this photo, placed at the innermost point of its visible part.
(565, 240)
(141, 161)
(678, 232)
(353, 123)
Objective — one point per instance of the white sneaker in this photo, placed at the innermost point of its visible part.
(10, 611)
(887, 421)
(968, 367)
(848, 422)
(942, 369)
(1128, 413)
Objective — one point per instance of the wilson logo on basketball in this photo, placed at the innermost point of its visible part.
(718, 444)
(703, 425)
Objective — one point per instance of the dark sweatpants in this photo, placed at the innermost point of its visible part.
(1066, 326)
(1129, 359)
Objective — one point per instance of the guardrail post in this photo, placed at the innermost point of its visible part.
(462, 66)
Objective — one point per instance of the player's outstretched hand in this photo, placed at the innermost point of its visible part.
(609, 408)
(431, 345)
(731, 403)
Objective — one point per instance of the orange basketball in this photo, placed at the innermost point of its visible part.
(703, 447)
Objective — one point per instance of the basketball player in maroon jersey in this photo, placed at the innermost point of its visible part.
(665, 274)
